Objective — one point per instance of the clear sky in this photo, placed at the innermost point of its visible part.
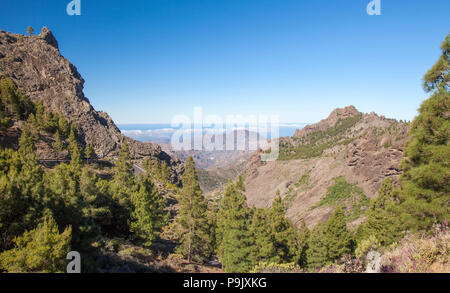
(146, 61)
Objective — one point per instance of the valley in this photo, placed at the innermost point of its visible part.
(348, 184)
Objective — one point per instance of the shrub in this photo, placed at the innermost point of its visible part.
(41, 250)
(347, 264)
(420, 254)
(367, 245)
(265, 267)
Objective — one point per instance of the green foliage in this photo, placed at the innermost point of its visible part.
(367, 245)
(68, 205)
(304, 180)
(349, 195)
(21, 191)
(275, 268)
(421, 253)
(41, 250)
(337, 237)
(192, 220)
(303, 235)
(71, 194)
(317, 248)
(339, 190)
(75, 150)
(165, 172)
(315, 143)
(438, 78)
(158, 170)
(122, 187)
(247, 237)
(263, 248)
(153, 167)
(283, 233)
(329, 241)
(95, 194)
(14, 105)
(89, 152)
(123, 173)
(58, 144)
(45, 120)
(148, 215)
(63, 127)
(425, 190)
(382, 220)
(234, 237)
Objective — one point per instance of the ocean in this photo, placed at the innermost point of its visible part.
(162, 133)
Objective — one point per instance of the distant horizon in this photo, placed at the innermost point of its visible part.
(162, 132)
(144, 62)
(281, 122)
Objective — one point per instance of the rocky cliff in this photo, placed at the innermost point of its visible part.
(36, 66)
(363, 149)
(333, 118)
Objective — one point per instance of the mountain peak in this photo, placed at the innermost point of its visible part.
(333, 118)
(36, 66)
(48, 37)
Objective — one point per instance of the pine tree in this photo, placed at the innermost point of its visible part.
(165, 172)
(121, 188)
(302, 245)
(41, 250)
(284, 233)
(382, 216)
(39, 113)
(14, 103)
(123, 181)
(63, 127)
(58, 144)
(75, 152)
(263, 248)
(148, 216)
(96, 197)
(337, 237)
(192, 219)
(317, 254)
(21, 191)
(154, 168)
(30, 30)
(234, 237)
(151, 166)
(89, 152)
(68, 206)
(425, 192)
(26, 143)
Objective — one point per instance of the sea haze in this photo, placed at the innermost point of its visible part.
(162, 133)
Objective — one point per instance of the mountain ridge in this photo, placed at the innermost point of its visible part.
(36, 66)
(362, 149)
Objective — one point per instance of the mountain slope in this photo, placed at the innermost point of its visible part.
(36, 66)
(349, 151)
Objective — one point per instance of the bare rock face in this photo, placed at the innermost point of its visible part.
(333, 118)
(253, 165)
(365, 154)
(375, 158)
(37, 67)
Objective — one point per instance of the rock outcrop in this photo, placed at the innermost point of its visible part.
(36, 66)
(366, 153)
(333, 118)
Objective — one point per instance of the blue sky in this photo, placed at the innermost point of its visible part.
(146, 61)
